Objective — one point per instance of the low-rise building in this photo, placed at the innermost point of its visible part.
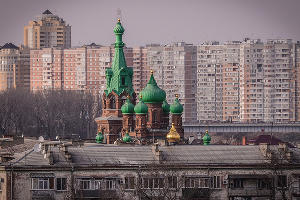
(97, 171)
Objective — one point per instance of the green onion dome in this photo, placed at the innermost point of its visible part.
(141, 107)
(99, 137)
(119, 28)
(165, 107)
(176, 107)
(126, 138)
(128, 107)
(152, 93)
(206, 138)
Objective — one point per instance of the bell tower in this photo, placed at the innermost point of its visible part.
(118, 87)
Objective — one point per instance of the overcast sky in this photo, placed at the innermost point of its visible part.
(158, 21)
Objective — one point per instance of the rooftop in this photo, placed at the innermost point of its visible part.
(98, 155)
(9, 46)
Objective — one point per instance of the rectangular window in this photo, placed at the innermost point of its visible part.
(281, 181)
(110, 184)
(155, 183)
(123, 81)
(129, 183)
(263, 183)
(217, 182)
(237, 183)
(197, 182)
(61, 183)
(172, 181)
(85, 184)
(42, 183)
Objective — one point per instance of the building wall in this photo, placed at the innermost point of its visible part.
(47, 31)
(174, 69)
(297, 81)
(209, 82)
(14, 68)
(22, 182)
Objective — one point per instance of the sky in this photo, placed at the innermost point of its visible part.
(158, 21)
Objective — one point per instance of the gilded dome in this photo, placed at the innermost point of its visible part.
(173, 136)
(176, 107)
(206, 138)
(119, 28)
(141, 108)
(128, 107)
(152, 93)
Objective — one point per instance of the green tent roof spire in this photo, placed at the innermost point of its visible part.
(119, 76)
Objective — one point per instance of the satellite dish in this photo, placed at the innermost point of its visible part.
(41, 139)
(57, 137)
(37, 148)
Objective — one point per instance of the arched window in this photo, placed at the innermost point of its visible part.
(154, 116)
(123, 99)
(112, 103)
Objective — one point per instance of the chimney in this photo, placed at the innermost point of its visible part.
(199, 136)
(282, 147)
(157, 153)
(244, 141)
(191, 139)
(49, 156)
(66, 152)
(264, 149)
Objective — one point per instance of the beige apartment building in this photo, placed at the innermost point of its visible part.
(297, 80)
(209, 82)
(14, 67)
(174, 66)
(47, 31)
(81, 68)
(267, 81)
(230, 77)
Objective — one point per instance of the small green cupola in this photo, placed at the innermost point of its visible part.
(99, 138)
(128, 107)
(166, 107)
(141, 108)
(176, 107)
(119, 76)
(206, 138)
(126, 138)
(152, 93)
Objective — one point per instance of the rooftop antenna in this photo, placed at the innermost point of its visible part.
(119, 14)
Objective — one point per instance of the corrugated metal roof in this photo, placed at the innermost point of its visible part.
(101, 155)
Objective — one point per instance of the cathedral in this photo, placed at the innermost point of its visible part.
(128, 117)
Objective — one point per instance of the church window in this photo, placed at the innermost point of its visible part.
(123, 81)
(112, 103)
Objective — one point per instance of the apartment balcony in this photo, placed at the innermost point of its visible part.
(98, 194)
(295, 191)
(250, 192)
(195, 193)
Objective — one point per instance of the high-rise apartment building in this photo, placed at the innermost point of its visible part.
(47, 31)
(209, 82)
(297, 80)
(251, 81)
(81, 68)
(230, 79)
(267, 81)
(14, 67)
(174, 68)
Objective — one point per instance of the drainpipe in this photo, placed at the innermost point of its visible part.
(11, 183)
